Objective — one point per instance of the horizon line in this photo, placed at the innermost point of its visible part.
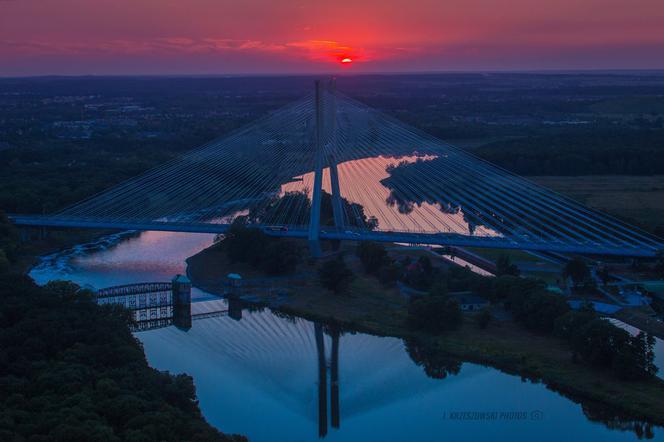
(346, 74)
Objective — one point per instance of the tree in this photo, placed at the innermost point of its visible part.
(372, 255)
(9, 241)
(434, 314)
(435, 362)
(483, 318)
(357, 219)
(577, 270)
(570, 324)
(4, 262)
(659, 264)
(598, 341)
(290, 206)
(281, 257)
(539, 310)
(334, 275)
(244, 244)
(425, 264)
(419, 274)
(390, 273)
(634, 359)
(505, 267)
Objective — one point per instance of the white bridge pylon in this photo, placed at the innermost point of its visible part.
(325, 142)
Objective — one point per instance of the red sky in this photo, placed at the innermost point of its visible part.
(39, 37)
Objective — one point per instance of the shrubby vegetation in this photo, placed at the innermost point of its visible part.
(537, 310)
(601, 344)
(70, 370)
(504, 266)
(372, 255)
(484, 318)
(577, 270)
(335, 275)
(274, 256)
(9, 244)
(593, 340)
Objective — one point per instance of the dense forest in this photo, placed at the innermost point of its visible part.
(70, 370)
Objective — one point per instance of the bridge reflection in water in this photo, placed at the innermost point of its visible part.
(163, 304)
(322, 379)
(299, 378)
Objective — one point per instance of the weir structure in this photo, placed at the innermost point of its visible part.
(161, 304)
(328, 167)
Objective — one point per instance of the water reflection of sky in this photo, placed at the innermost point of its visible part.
(258, 376)
(360, 181)
(145, 257)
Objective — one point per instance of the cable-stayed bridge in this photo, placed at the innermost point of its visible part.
(330, 167)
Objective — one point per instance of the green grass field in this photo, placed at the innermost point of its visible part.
(513, 255)
(638, 200)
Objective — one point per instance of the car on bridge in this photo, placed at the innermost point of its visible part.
(276, 228)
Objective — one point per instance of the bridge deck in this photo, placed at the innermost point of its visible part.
(442, 239)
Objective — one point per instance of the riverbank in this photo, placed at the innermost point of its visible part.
(369, 307)
(36, 246)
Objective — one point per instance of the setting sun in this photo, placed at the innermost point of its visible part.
(346, 60)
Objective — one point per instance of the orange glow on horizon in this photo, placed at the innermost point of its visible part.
(78, 37)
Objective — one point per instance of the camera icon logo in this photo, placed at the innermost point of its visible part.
(536, 415)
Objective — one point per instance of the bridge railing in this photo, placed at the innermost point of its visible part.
(154, 304)
(132, 289)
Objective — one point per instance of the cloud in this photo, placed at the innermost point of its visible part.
(323, 50)
(313, 50)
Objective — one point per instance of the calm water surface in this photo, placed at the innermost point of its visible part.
(259, 376)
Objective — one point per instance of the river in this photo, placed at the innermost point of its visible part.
(259, 376)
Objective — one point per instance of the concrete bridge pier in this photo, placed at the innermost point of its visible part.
(234, 308)
(181, 287)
